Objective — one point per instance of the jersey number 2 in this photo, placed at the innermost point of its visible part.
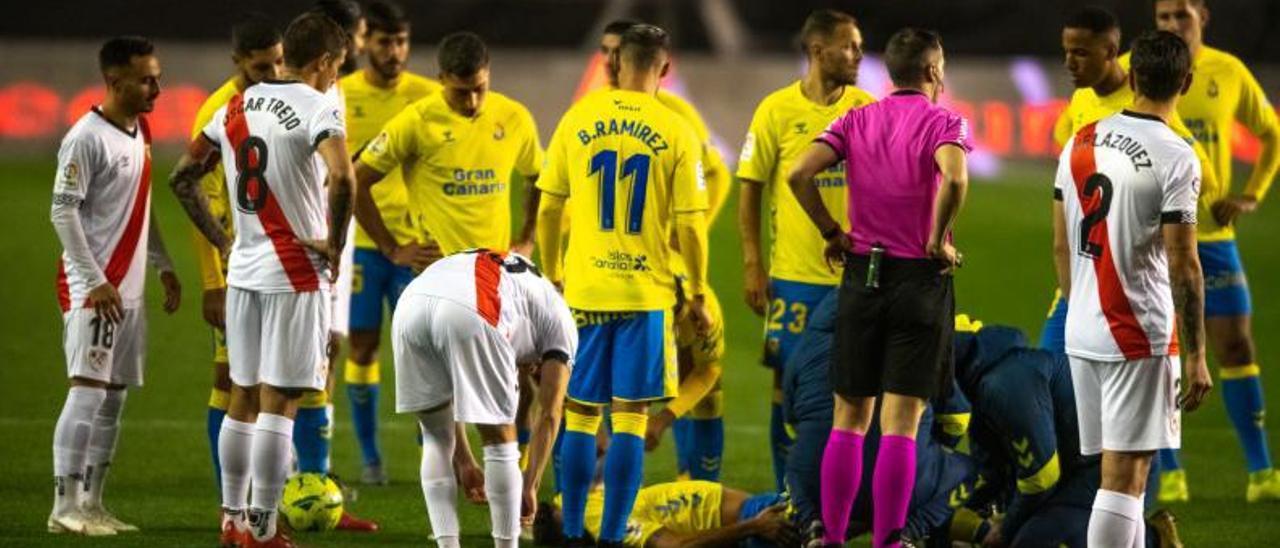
(636, 166)
(251, 178)
(1100, 184)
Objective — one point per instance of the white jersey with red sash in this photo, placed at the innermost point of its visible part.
(108, 170)
(276, 182)
(1120, 179)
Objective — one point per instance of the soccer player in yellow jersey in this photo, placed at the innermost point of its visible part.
(458, 150)
(684, 513)
(258, 55)
(631, 171)
(696, 416)
(783, 126)
(1222, 93)
(373, 95)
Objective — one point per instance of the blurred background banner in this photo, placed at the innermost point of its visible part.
(1004, 64)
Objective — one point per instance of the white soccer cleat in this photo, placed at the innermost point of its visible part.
(77, 523)
(102, 516)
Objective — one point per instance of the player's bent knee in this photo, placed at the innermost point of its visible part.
(623, 406)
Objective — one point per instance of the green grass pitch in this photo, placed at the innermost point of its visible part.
(162, 479)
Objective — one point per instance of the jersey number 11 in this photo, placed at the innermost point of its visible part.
(636, 166)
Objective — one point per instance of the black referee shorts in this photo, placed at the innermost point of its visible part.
(896, 338)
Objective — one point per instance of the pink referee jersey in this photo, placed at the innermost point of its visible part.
(888, 149)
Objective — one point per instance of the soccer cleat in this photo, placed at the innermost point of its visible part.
(281, 540)
(77, 523)
(1166, 528)
(349, 522)
(374, 475)
(1173, 487)
(1264, 486)
(104, 517)
(234, 535)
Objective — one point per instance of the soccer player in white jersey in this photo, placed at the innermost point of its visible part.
(458, 332)
(276, 139)
(101, 212)
(1125, 239)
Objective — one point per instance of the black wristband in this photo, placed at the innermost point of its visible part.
(831, 232)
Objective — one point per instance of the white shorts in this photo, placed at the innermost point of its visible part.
(445, 351)
(341, 313)
(105, 351)
(278, 339)
(1129, 405)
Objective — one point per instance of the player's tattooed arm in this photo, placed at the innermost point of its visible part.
(1187, 281)
(342, 184)
(185, 183)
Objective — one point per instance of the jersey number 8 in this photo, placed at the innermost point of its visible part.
(251, 179)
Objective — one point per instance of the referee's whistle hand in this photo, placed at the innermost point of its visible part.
(947, 254)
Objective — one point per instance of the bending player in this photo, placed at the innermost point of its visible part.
(683, 513)
(1134, 269)
(617, 269)
(461, 328)
(102, 215)
(1223, 93)
(783, 126)
(257, 55)
(282, 263)
(374, 95)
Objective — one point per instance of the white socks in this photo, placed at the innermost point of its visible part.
(70, 442)
(272, 446)
(102, 444)
(235, 445)
(503, 486)
(1116, 521)
(439, 487)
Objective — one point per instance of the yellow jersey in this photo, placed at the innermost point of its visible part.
(213, 274)
(682, 507)
(713, 167)
(1087, 107)
(368, 108)
(784, 125)
(458, 170)
(627, 165)
(1223, 91)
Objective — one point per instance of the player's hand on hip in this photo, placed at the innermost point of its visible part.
(755, 284)
(214, 307)
(413, 255)
(946, 253)
(172, 291)
(1227, 210)
(1197, 382)
(107, 303)
(327, 252)
(838, 247)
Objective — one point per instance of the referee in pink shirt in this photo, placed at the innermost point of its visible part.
(907, 176)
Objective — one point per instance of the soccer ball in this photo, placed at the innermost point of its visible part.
(311, 502)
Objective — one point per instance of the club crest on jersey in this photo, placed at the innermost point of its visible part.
(1213, 88)
(499, 132)
(802, 128)
(448, 136)
(97, 358)
(378, 145)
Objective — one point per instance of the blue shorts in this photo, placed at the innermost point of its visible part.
(787, 317)
(627, 356)
(375, 279)
(1226, 289)
(1053, 336)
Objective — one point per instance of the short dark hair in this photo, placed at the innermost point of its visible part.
(120, 51)
(386, 16)
(619, 26)
(1160, 62)
(822, 24)
(1094, 19)
(546, 532)
(462, 54)
(907, 55)
(309, 37)
(642, 43)
(346, 13)
(254, 32)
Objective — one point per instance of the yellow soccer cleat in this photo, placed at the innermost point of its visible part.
(1173, 487)
(1264, 486)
